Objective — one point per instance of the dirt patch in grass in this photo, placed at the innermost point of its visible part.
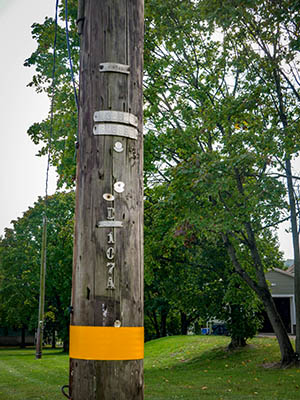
(272, 365)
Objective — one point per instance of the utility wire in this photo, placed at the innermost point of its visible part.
(69, 54)
(72, 72)
(52, 101)
(53, 87)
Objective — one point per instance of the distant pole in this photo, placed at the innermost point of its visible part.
(106, 332)
(39, 336)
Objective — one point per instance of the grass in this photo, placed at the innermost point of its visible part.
(24, 378)
(197, 367)
(179, 367)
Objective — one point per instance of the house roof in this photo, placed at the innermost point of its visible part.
(289, 272)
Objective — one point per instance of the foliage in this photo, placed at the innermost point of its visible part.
(64, 132)
(20, 265)
(214, 127)
(186, 367)
(221, 120)
(195, 76)
(191, 277)
(265, 36)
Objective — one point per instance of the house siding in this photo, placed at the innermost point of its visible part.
(280, 284)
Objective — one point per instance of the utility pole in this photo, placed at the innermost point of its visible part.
(40, 328)
(106, 332)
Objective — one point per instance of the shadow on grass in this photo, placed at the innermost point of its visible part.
(218, 356)
(30, 352)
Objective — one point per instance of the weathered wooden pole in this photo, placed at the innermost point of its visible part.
(40, 327)
(106, 332)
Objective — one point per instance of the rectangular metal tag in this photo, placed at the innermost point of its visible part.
(116, 116)
(110, 224)
(114, 67)
(115, 130)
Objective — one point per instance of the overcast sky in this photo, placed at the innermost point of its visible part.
(22, 174)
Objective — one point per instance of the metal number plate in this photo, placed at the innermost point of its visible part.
(119, 187)
(114, 67)
(110, 238)
(110, 284)
(110, 253)
(110, 213)
(115, 130)
(111, 267)
(110, 224)
(116, 116)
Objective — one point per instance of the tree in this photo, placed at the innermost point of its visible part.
(17, 285)
(64, 137)
(265, 37)
(213, 145)
(191, 276)
(20, 260)
(214, 128)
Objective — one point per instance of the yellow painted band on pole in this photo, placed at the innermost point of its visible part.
(106, 343)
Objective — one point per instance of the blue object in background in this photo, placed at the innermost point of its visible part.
(204, 331)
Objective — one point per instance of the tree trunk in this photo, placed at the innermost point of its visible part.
(23, 337)
(236, 342)
(53, 344)
(293, 214)
(156, 326)
(163, 322)
(296, 249)
(236, 333)
(106, 339)
(184, 323)
(65, 346)
(286, 348)
(262, 290)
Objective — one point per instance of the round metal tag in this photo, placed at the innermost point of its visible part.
(118, 147)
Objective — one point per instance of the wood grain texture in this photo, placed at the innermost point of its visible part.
(112, 32)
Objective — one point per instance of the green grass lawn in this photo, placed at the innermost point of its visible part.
(179, 367)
